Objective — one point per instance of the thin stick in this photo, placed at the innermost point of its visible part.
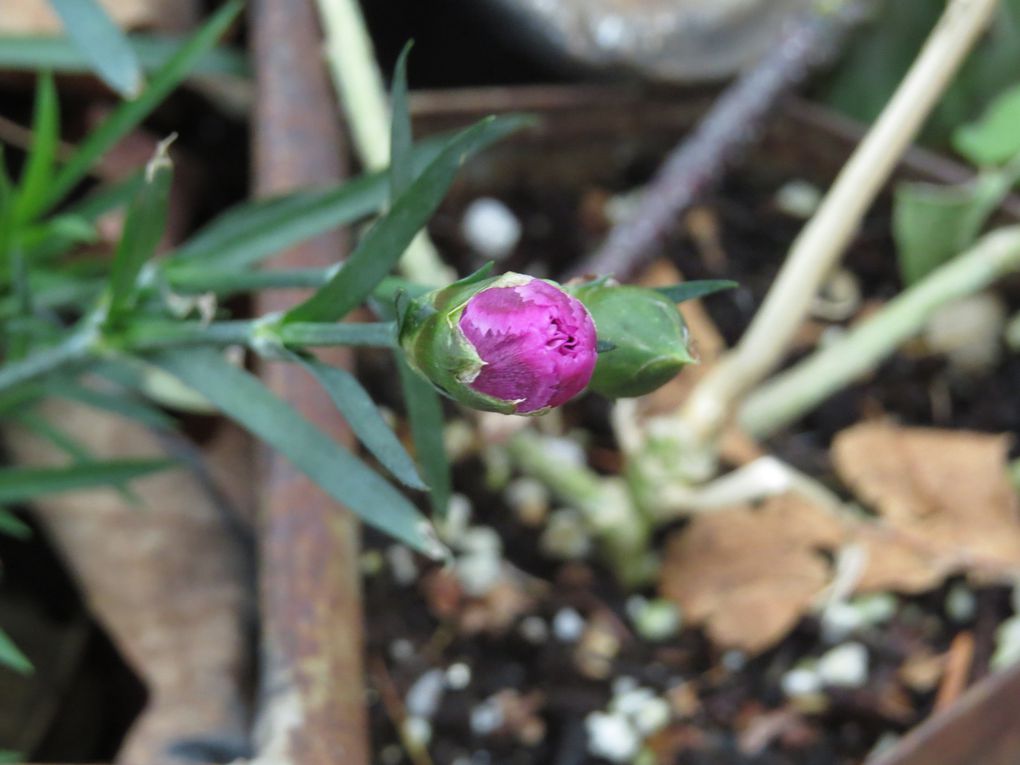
(826, 236)
(796, 391)
(734, 123)
(352, 63)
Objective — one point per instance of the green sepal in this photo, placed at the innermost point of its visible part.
(647, 334)
(437, 349)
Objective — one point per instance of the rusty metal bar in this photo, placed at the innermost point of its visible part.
(313, 710)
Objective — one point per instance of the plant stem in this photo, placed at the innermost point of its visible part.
(824, 239)
(794, 392)
(149, 335)
(359, 85)
(623, 530)
(76, 347)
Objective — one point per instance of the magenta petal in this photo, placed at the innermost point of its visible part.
(538, 344)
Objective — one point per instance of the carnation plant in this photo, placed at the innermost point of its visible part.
(137, 333)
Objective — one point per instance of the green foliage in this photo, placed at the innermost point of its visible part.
(12, 658)
(380, 249)
(29, 53)
(932, 224)
(883, 50)
(243, 398)
(134, 311)
(22, 484)
(361, 413)
(130, 113)
(101, 43)
(995, 137)
(13, 526)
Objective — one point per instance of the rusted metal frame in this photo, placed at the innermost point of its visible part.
(312, 707)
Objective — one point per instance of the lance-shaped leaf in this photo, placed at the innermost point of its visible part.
(680, 293)
(129, 114)
(38, 171)
(381, 248)
(18, 484)
(242, 397)
(12, 658)
(364, 418)
(102, 43)
(146, 221)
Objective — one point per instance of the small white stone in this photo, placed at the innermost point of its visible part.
(876, 608)
(839, 620)
(961, 605)
(612, 737)
(568, 625)
(425, 694)
(402, 650)
(734, 661)
(490, 228)
(968, 331)
(801, 681)
(487, 718)
(402, 564)
(481, 539)
(534, 629)
(529, 499)
(652, 716)
(630, 701)
(845, 666)
(624, 684)
(1007, 644)
(457, 522)
(566, 536)
(478, 572)
(417, 731)
(458, 676)
(798, 199)
(654, 620)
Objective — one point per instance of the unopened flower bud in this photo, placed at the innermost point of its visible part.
(510, 344)
(644, 334)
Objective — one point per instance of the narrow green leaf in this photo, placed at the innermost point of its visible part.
(13, 526)
(340, 474)
(364, 418)
(102, 44)
(38, 172)
(425, 413)
(117, 402)
(994, 138)
(933, 224)
(59, 54)
(679, 293)
(401, 168)
(20, 484)
(251, 232)
(9, 756)
(131, 113)
(305, 334)
(12, 657)
(144, 227)
(377, 254)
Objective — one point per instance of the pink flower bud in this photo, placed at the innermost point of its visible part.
(537, 343)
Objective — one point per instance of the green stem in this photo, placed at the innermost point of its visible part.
(190, 281)
(77, 347)
(623, 531)
(796, 391)
(149, 334)
(352, 63)
(377, 334)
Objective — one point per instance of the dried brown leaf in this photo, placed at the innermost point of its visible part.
(747, 574)
(945, 502)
